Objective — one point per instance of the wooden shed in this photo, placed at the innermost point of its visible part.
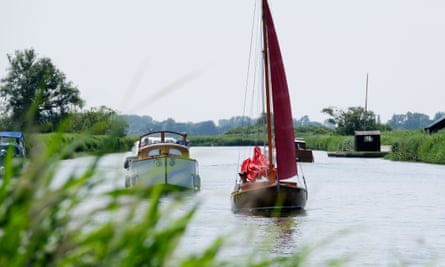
(367, 141)
(435, 126)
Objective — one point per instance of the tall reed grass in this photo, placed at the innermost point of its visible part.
(72, 223)
(417, 146)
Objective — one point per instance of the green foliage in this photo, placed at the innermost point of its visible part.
(97, 122)
(138, 125)
(329, 142)
(417, 146)
(303, 131)
(36, 88)
(44, 222)
(411, 121)
(354, 119)
(253, 135)
(405, 145)
(82, 144)
(222, 140)
(40, 227)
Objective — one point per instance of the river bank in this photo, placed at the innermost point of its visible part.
(411, 146)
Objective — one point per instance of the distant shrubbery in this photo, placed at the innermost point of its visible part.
(81, 144)
(407, 145)
(417, 146)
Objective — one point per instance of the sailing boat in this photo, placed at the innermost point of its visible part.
(265, 185)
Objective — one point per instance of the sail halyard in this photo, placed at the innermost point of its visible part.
(282, 114)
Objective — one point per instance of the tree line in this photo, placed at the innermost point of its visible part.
(36, 95)
(341, 122)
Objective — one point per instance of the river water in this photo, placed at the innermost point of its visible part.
(368, 212)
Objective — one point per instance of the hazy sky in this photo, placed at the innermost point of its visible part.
(187, 60)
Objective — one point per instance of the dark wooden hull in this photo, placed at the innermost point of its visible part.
(268, 198)
(304, 155)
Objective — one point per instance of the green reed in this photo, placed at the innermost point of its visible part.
(44, 222)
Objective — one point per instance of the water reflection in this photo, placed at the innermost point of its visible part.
(268, 236)
(287, 233)
(273, 213)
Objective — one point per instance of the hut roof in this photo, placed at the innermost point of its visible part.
(374, 132)
(436, 125)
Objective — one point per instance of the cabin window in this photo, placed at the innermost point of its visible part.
(174, 151)
(145, 142)
(368, 139)
(154, 152)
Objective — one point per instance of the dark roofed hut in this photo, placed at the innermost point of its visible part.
(435, 126)
(367, 141)
(367, 145)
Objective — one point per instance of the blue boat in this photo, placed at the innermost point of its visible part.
(14, 142)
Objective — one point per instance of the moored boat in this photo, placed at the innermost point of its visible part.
(303, 154)
(12, 144)
(163, 157)
(13, 141)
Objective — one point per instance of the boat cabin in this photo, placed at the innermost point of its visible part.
(303, 154)
(367, 140)
(163, 149)
(14, 140)
(162, 146)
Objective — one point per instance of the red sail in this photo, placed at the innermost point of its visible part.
(283, 124)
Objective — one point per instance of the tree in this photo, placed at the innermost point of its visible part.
(98, 121)
(409, 121)
(206, 128)
(34, 87)
(354, 119)
(438, 116)
(305, 121)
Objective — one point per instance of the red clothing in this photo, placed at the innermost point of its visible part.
(255, 167)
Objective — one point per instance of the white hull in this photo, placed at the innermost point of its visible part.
(163, 170)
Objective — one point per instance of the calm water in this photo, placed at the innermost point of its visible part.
(372, 212)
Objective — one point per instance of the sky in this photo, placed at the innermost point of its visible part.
(188, 60)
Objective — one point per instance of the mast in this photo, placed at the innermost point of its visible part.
(366, 96)
(268, 102)
(279, 102)
(366, 104)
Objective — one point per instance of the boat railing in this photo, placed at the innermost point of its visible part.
(163, 150)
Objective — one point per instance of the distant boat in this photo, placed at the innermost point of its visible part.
(303, 154)
(14, 143)
(267, 185)
(163, 157)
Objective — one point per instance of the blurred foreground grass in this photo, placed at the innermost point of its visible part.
(74, 223)
(43, 223)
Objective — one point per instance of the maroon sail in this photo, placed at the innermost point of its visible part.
(282, 114)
